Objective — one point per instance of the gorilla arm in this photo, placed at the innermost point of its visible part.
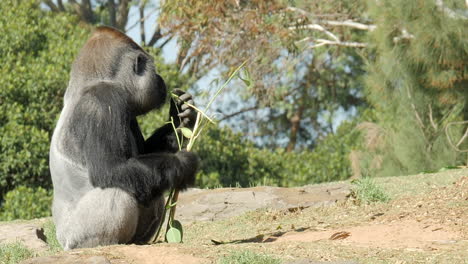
(109, 150)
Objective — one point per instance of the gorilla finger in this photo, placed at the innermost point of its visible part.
(184, 107)
(185, 97)
(178, 91)
(185, 113)
(186, 121)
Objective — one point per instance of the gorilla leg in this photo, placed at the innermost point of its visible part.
(101, 217)
(148, 221)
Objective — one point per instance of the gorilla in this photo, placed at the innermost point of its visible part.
(108, 181)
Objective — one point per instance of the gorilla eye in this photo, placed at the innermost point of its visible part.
(140, 65)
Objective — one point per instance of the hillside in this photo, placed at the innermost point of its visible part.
(424, 221)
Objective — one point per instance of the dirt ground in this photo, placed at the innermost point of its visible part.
(424, 222)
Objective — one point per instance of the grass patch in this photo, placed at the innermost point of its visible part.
(248, 257)
(14, 253)
(367, 191)
(398, 186)
(49, 232)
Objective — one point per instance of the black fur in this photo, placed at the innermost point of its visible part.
(106, 139)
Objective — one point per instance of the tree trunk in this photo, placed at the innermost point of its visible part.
(122, 14)
(295, 125)
(142, 23)
(112, 11)
(87, 11)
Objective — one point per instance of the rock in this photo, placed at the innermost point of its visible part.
(211, 205)
(68, 259)
(29, 234)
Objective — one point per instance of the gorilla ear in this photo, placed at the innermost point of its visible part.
(139, 66)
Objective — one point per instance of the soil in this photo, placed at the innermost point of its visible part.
(311, 224)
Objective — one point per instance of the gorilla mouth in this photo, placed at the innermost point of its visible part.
(161, 90)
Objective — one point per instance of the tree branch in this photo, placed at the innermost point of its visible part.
(316, 27)
(449, 137)
(60, 5)
(349, 23)
(156, 36)
(142, 22)
(142, 19)
(323, 42)
(165, 42)
(227, 116)
(346, 23)
(51, 5)
(431, 119)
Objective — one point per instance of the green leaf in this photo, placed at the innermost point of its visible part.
(186, 132)
(248, 79)
(178, 225)
(174, 234)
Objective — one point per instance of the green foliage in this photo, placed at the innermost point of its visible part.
(26, 203)
(328, 161)
(173, 235)
(50, 234)
(366, 191)
(36, 50)
(227, 159)
(417, 84)
(13, 253)
(248, 257)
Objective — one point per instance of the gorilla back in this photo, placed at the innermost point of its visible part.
(108, 181)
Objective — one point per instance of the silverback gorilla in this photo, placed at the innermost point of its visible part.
(108, 181)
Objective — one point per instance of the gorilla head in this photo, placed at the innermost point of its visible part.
(110, 56)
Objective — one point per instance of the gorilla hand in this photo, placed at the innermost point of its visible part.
(188, 169)
(182, 114)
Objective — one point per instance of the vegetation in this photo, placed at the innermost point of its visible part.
(36, 50)
(417, 84)
(228, 159)
(51, 239)
(13, 253)
(367, 191)
(26, 203)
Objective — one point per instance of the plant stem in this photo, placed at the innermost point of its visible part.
(225, 84)
(161, 222)
(174, 197)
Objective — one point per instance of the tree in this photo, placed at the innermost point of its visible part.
(36, 50)
(302, 60)
(417, 82)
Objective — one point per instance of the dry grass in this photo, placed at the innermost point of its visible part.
(432, 199)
